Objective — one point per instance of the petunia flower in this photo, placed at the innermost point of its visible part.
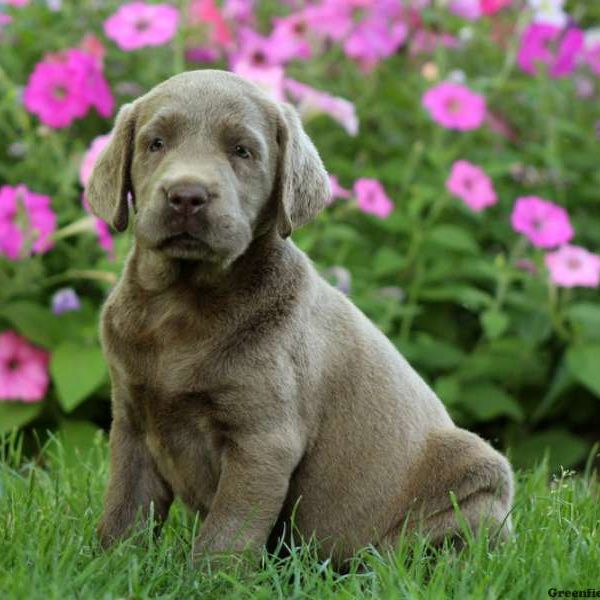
(544, 223)
(472, 185)
(89, 159)
(269, 78)
(573, 266)
(138, 24)
(311, 101)
(374, 38)
(27, 222)
(467, 9)
(455, 106)
(207, 12)
(535, 49)
(372, 199)
(63, 87)
(337, 191)
(491, 7)
(239, 11)
(23, 369)
(85, 170)
(290, 37)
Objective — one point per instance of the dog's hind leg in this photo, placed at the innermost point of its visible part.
(460, 464)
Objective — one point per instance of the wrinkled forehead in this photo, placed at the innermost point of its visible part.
(202, 105)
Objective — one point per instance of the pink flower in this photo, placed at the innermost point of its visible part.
(374, 40)
(472, 185)
(206, 11)
(312, 102)
(54, 94)
(372, 199)
(62, 87)
(26, 222)
(290, 37)
(467, 9)
(85, 170)
(455, 106)
(23, 369)
(337, 191)
(89, 159)
(239, 11)
(332, 19)
(94, 86)
(268, 78)
(572, 266)
(138, 24)
(536, 49)
(544, 223)
(254, 50)
(427, 42)
(104, 237)
(14, 2)
(202, 54)
(491, 7)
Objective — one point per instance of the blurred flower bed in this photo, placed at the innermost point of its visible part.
(462, 141)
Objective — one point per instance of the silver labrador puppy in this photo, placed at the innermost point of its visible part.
(242, 381)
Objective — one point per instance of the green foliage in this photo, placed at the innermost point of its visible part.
(509, 354)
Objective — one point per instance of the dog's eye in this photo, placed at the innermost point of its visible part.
(242, 151)
(156, 145)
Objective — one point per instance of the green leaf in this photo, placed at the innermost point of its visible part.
(431, 353)
(561, 382)
(76, 371)
(469, 296)
(564, 449)
(387, 261)
(586, 318)
(494, 323)
(17, 414)
(447, 388)
(584, 364)
(34, 322)
(486, 401)
(454, 238)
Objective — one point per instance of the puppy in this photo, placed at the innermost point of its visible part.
(242, 381)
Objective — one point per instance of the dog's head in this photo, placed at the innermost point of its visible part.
(207, 162)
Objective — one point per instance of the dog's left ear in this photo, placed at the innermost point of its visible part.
(302, 187)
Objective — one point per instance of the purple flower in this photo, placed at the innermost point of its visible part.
(65, 300)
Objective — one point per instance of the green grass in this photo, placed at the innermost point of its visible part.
(48, 512)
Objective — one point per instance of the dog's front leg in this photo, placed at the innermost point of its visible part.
(134, 484)
(254, 480)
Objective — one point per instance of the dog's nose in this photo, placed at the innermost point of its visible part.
(187, 199)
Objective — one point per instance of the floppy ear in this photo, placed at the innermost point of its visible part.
(302, 186)
(110, 182)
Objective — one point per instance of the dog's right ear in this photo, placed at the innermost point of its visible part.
(109, 185)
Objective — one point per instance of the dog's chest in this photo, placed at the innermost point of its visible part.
(161, 342)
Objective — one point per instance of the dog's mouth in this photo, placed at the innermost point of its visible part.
(185, 243)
